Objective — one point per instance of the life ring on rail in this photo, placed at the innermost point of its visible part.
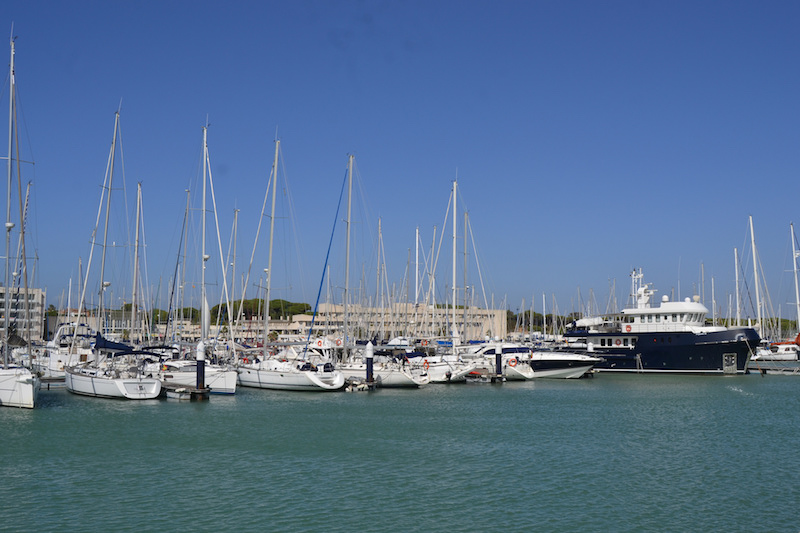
(319, 343)
(628, 328)
(338, 342)
(424, 342)
(425, 365)
(617, 342)
(245, 360)
(512, 361)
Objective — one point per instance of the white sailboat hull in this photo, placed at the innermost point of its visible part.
(18, 388)
(52, 364)
(98, 383)
(386, 375)
(221, 380)
(518, 371)
(448, 371)
(288, 377)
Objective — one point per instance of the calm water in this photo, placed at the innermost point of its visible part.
(613, 453)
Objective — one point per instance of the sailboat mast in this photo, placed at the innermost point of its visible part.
(204, 321)
(9, 224)
(416, 267)
(464, 326)
(738, 304)
(136, 262)
(103, 283)
(755, 276)
(269, 256)
(347, 254)
(455, 236)
(796, 286)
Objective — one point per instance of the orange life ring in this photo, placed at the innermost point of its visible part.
(617, 342)
(425, 365)
(512, 361)
(245, 360)
(424, 343)
(338, 342)
(319, 343)
(628, 328)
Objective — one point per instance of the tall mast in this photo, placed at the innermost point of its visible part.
(136, 261)
(455, 236)
(738, 304)
(9, 224)
(796, 287)
(755, 276)
(204, 321)
(347, 254)
(464, 313)
(103, 282)
(416, 267)
(274, 185)
(379, 285)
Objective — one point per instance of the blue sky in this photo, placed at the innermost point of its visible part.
(588, 138)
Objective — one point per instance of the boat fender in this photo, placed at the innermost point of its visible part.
(512, 361)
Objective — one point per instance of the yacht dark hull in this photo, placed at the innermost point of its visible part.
(719, 352)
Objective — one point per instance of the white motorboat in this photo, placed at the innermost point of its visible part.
(565, 365)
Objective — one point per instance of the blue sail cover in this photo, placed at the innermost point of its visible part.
(101, 343)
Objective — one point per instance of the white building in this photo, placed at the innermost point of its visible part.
(30, 326)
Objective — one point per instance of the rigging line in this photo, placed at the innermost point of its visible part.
(477, 263)
(270, 184)
(325, 266)
(175, 278)
(219, 245)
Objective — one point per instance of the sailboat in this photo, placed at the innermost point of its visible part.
(166, 364)
(787, 350)
(289, 368)
(19, 387)
(386, 370)
(447, 365)
(115, 371)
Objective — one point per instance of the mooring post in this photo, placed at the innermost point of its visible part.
(370, 352)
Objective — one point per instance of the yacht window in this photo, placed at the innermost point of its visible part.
(658, 318)
(625, 341)
(649, 318)
(674, 318)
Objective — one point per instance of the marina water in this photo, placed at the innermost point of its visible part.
(612, 453)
